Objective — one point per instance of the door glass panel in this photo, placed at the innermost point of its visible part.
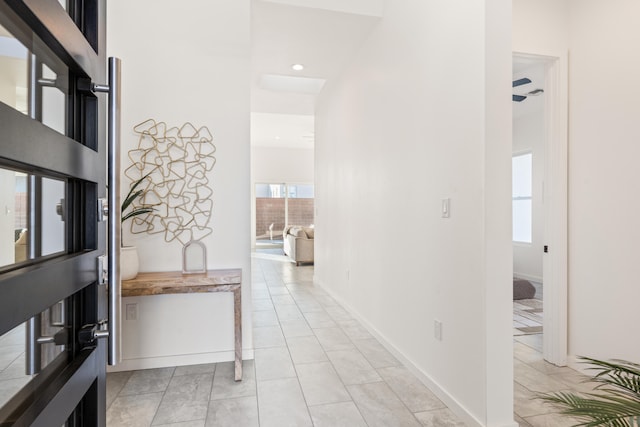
(30, 202)
(54, 101)
(31, 85)
(13, 72)
(14, 370)
(53, 225)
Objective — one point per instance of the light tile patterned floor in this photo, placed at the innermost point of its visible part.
(527, 317)
(314, 366)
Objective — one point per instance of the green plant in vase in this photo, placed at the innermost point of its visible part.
(129, 254)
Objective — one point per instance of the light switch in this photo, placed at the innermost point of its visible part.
(445, 208)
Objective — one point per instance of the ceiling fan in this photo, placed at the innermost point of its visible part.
(524, 81)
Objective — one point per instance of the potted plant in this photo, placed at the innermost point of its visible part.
(615, 401)
(129, 254)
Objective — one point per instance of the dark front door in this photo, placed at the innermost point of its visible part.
(53, 307)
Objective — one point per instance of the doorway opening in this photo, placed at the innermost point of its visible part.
(540, 202)
(528, 163)
(277, 206)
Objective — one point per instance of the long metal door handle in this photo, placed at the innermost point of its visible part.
(113, 180)
(113, 197)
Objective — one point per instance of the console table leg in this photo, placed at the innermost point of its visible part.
(237, 311)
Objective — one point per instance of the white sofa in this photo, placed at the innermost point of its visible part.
(298, 243)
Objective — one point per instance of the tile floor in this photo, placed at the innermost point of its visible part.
(314, 366)
(527, 317)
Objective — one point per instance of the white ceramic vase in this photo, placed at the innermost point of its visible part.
(128, 262)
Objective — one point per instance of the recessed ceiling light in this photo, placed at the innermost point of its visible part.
(297, 67)
(277, 137)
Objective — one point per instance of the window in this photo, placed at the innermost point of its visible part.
(278, 205)
(522, 191)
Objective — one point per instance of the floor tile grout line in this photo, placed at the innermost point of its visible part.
(163, 394)
(333, 367)
(381, 379)
(206, 413)
(329, 361)
(293, 364)
(339, 377)
(255, 373)
(351, 340)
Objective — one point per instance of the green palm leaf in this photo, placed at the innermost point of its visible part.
(132, 195)
(137, 212)
(616, 403)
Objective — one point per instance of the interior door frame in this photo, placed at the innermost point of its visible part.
(555, 262)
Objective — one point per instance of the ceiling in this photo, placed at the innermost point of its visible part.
(533, 69)
(282, 130)
(323, 35)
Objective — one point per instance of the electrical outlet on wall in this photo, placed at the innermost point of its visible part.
(131, 312)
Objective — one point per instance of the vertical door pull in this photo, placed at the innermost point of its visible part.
(113, 199)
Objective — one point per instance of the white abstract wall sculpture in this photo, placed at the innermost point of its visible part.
(175, 162)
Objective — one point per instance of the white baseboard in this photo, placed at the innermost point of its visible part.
(429, 382)
(178, 360)
(577, 365)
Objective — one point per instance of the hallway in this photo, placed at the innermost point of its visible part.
(314, 366)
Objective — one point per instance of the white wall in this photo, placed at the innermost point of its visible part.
(528, 136)
(281, 164)
(603, 137)
(363, 7)
(406, 125)
(189, 63)
(603, 179)
(540, 27)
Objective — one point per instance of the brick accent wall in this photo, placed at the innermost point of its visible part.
(270, 211)
(301, 212)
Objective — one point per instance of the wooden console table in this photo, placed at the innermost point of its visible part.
(174, 282)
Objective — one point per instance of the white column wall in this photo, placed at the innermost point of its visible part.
(421, 114)
(189, 62)
(603, 180)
